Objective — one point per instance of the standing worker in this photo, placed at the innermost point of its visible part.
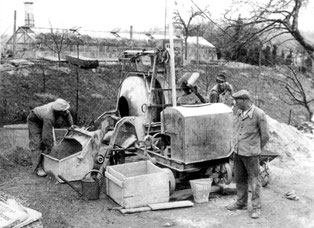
(222, 91)
(41, 121)
(252, 134)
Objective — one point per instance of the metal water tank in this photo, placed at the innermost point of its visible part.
(199, 132)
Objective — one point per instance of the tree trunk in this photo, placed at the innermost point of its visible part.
(186, 48)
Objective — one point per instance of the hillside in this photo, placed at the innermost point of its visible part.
(26, 86)
(268, 91)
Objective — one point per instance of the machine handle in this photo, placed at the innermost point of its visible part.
(93, 170)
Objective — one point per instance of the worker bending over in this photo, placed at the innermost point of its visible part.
(41, 121)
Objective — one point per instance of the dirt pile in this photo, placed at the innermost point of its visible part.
(288, 142)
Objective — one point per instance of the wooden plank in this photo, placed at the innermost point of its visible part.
(114, 192)
(131, 169)
(146, 184)
(137, 184)
(134, 210)
(82, 61)
(145, 189)
(115, 173)
(114, 180)
(171, 205)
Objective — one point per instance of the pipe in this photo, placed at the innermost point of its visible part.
(172, 66)
(193, 78)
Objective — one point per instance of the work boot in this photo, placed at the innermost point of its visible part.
(236, 206)
(41, 172)
(254, 214)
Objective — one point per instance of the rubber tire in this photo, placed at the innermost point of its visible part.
(172, 180)
(228, 179)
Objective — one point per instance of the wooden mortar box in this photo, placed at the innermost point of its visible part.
(137, 184)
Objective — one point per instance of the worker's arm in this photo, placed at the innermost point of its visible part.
(68, 118)
(264, 131)
(230, 88)
(213, 96)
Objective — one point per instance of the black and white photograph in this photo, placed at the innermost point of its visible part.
(153, 114)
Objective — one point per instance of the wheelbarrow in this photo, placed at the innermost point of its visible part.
(90, 187)
(265, 158)
(224, 173)
(74, 156)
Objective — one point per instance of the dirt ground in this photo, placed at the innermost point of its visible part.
(62, 207)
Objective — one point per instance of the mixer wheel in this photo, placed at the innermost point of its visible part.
(227, 175)
(172, 180)
(221, 173)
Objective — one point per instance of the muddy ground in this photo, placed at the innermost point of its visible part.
(62, 207)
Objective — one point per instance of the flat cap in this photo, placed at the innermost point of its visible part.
(221, 76)
(60, 105)
(242, 94)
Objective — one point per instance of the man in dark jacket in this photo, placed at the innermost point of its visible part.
(222, 91)
(41, 121)
(252, 134)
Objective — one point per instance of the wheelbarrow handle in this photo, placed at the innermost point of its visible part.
(68, 183)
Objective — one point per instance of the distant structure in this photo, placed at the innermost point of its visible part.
(24, 44)
(29, 15)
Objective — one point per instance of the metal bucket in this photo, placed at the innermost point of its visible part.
(91, 187)
(201, 189)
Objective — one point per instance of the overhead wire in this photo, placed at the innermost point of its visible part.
(202, 11)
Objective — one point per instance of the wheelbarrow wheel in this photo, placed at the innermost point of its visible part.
(221, 174)
(265, 175)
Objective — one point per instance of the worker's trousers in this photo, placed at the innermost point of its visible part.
(247, 173)
(35, 142)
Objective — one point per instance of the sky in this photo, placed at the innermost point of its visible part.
(108, 15)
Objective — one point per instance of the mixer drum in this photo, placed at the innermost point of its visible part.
(134, 99)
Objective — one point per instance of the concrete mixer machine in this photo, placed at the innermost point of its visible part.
(186, 138)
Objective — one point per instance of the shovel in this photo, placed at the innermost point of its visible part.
(72, 186)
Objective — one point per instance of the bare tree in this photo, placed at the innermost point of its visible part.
(184, 21)
(296, 92)
(274, 18)
(55, 41)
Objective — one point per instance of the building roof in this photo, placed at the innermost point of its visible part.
(30, 33)
(201, 41)
(23, 35)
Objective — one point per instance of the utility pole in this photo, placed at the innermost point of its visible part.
(197, 48)
(172, 56)
(77, 80)
(77, 34)
(14, 37)
(131, 36)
